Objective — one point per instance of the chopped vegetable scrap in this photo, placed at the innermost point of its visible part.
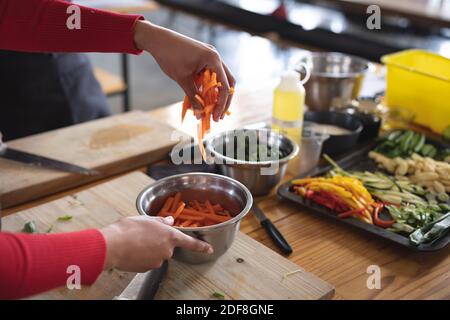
(29, 227)
(65, 218)
(193, 213)
(207, 97)
(291, 273)
(218, 295)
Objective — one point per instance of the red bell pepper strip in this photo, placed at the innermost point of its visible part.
(350, 213)
(309, 193)
(335, 198)
(326, 202)
(379, 222)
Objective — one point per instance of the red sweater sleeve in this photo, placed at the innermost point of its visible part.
(41, 26)
(33, 263)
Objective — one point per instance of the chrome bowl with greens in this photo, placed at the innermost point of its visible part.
(256, 158)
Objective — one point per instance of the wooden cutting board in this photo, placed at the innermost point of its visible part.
(258, 276)
(110, 145)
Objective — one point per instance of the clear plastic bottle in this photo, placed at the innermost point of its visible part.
(288, 105)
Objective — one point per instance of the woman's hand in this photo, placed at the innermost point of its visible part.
(138, 244)
(182, 58)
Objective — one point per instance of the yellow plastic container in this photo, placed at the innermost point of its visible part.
(420, 81)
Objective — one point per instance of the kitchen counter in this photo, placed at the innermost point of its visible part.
(334, 252)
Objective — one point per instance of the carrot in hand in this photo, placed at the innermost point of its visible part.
(207, 97)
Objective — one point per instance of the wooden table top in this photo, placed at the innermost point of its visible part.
(426, 12)
(332, 251)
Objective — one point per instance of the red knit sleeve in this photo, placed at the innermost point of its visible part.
(41, 26)
(34, 263)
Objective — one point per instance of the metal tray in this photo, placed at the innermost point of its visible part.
(357, 160)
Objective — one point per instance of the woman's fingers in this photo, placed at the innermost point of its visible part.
(232, 83)
(166, 220)
(184, 241)
(224, 92)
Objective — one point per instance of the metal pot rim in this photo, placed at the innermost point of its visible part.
(234, 220)
(251, 164)
(354, 74)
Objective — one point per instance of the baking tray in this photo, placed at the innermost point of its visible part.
(358, 160)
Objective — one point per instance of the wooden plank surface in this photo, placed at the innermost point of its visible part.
(259, 276)
(336, 253)
(110, 145)
(109, 82)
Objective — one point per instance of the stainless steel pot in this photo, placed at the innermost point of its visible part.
(258, 176)
(231, 194)
(333, 75)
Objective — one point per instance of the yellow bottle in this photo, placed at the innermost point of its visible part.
(288, 105)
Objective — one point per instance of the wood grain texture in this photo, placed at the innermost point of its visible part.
(259, 276)
(110, 145)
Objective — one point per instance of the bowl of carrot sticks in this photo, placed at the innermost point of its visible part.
(206, 206)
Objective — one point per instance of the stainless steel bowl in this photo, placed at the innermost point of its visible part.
(333, 75)
(258, 176)
(231, 194)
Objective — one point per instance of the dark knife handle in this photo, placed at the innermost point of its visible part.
(277, 237)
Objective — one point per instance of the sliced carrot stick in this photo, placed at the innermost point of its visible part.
(165, 208)
(185, 216)
(204, 126)
(185, 223)
(200, 141)
(212, 217)
(209, 108)
(178, 211)
(175, 202)
(208, 121)
(197, 206)
(217, 207)
(185, 108)
(209, 207)
(200, 100)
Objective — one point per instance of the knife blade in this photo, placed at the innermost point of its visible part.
(272, 230)
(151, 283)
(43, 162)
